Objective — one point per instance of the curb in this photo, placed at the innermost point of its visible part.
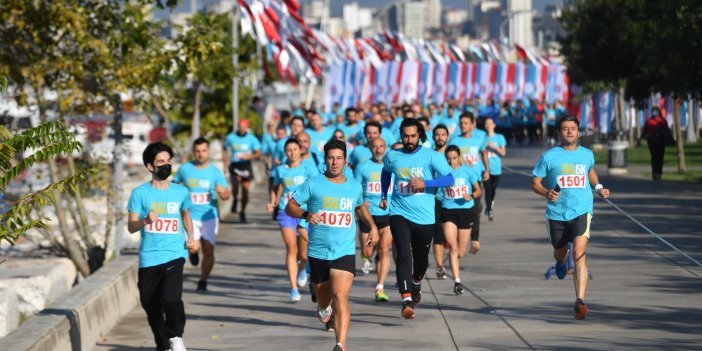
(78, 318)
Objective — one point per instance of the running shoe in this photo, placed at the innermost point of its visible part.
(313, 294)
(380, 296)
(302, 278)
(201, 286)
(580, 309)
(366, 268)
(416, 294)
(441, 273)
(407, 310)
(338, 347)
(491, 216)
(295, 295)
(242, 217)
(234, 205)
(561, 270)
(177, 344)
(194, 259)
(324, 314)
(458, 288)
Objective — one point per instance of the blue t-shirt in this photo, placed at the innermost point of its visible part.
(202, 186)
(451, 123)
(368, 174)
(163, 240)
(360, 154)
(292, 178)
(335, 235)
(452, 197)
(268, 144)
(318, 139)
(238, 145)
(471, 149)
(568, 169)
(417, 207)
(351, 131)
(494, 159)
(279, 150)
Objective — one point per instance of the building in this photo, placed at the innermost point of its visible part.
(357, 18)
(433, 13)
(406, 17)
(314, 11)
(520, 16)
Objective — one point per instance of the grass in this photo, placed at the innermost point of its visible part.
(639, 155)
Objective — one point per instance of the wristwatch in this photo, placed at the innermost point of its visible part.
(305, 215)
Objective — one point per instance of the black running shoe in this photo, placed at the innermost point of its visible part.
(194, 259)
(458, 289)
(313, 294)
(201, 286)
(338, 347)
(234, 205)
(416, 294)
(407, 310)
(242, 217)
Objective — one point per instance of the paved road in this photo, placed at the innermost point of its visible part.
(644, 295)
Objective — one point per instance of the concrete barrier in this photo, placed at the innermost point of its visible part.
(78, 319)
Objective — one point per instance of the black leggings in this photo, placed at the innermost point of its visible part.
(413, 242)
(161, 292)
(490, 188)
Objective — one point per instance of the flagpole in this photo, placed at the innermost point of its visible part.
(310, 92)
(235, 64)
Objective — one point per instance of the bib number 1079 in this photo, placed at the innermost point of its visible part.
(336, 219)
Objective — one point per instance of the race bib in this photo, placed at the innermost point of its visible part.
(336, 219)
(455, 192)
(200, 198)
(163, 226)
(404, 189)
(471, 159)
(373, 188)
(571, 181)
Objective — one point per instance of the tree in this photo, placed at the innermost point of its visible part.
(636, 47)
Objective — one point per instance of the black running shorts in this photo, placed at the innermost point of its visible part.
(438, 226)
(319, 269)
(563, 232)
(461, 217)
(380, 222)
(242, 170)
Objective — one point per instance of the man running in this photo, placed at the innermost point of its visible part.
(412, 216)
(568, 171)
(440, 134)
(333, 202)
(239, 149)
(203, 180)
(496, 146)
(368, 174)
(160, 210)
(361, 153)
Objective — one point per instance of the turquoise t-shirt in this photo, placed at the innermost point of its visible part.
(471, 149)
(335, 235)
(494, 159)
(318, 139)
(163, 240)
(267, 144)
(417, 207)
(292, 178)
(452, 197)
(202, 186)
(451, 123)
(360, 154)
(368, 174)
(238, 145)
(568, 169)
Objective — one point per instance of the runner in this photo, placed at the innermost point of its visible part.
(441, 136)
(368, 174)
(333, 202)
(496, 147)
(568, 171)
(239, 149)
(286, 179)
(361, 153)
(203, 180)
(472, 145)
(412, 216)
(456, 216)
(160, 211)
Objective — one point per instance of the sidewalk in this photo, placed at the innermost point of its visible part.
(644, 296)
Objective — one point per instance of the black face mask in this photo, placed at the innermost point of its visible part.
(163, 172)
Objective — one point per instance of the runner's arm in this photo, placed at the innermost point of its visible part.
(222, 192)
(385, 178)
(293, 209)
(365, 216)
(541, 190)
(594, 180)
(442, 181)
(134, 223)
(486, 162)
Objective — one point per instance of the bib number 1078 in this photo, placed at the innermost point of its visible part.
(164, 226)
(571, 181)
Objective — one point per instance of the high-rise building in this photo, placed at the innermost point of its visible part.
(406, 17)
(433, 13)
(314, 11)
(520, 15)
(357, 18)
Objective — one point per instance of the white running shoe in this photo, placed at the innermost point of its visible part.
(177, 344)
(324, 314)
(367, 266)
(302, 278)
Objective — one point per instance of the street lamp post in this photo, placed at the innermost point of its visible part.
(235, 63)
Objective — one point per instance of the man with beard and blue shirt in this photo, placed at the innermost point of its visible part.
(563, 175)
(412, 216)
(205, 183)
(333, 203)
